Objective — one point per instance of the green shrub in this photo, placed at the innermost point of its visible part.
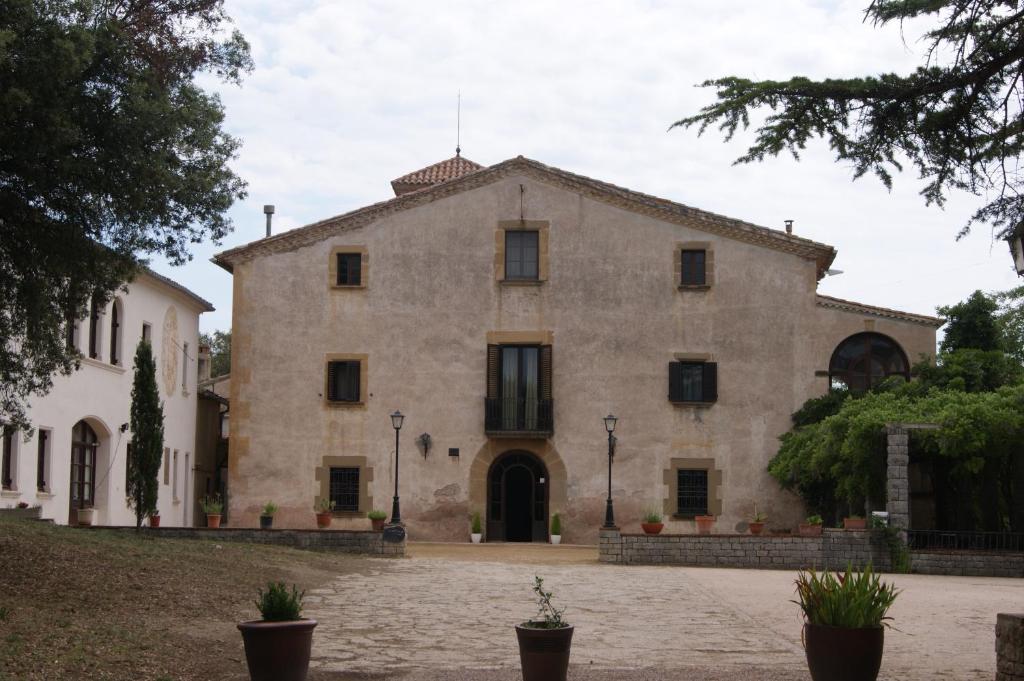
(376, 515)
(324, 505)
(269, 508)
(212, 505)
(652, 516)
(476, 527)
(854, 600)
(814, 520)
(548, 616)
(556, 524)
(277, 604)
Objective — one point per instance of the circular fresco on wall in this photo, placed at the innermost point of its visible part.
(169, 350)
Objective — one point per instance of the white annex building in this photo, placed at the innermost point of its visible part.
(75, 458)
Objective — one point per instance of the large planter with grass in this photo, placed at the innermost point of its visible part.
(278, 651)
(842, 654)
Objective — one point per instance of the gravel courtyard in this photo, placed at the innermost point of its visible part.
(447, 612)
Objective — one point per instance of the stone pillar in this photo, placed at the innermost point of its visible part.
(1009, 647)
(610, 546)
(897, 490)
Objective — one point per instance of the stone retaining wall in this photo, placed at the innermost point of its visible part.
(968, 563)
(1009, 647)
(338, 541)
(30, 513)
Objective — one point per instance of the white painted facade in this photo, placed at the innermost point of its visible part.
(100, 394)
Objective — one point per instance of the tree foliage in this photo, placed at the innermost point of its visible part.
(220, 351)
(109, 152)
(971, 324)
(1011, 321)
(957, 118)
(147, 424)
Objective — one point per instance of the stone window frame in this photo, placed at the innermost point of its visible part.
(709, 264)
(323, 477)
(332, 267)
(363, 360)
(543, 229)
(671, 479)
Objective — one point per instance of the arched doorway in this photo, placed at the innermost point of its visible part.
(84, 445)
(517, 498)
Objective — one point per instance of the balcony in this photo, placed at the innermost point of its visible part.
(519, 418)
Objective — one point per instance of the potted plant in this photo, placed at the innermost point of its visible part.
(544, 641)
(704, 523)
(86, 516)
(556, 529)
(757, 521)
(475, 528)
(844, 623)
(154, 519)
(855, 522)
(277, 646)
(651, 523)
(377, 520)
(811, 528)
(267, 515)
(212, 507)
(323, 509)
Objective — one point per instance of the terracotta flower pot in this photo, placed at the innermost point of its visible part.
(544, 653)
(277, 651)
(652, 528)
(154, 521)
(377, 524)
(839, 654)
(705, 523)
(756, 528)
(323, 520)
(810, 530)
(855, 523)
(213, 520)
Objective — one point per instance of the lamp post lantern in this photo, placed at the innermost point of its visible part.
(396, 423)
(609, 514)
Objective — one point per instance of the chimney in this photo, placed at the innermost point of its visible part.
(789, 225)
(268, 210)
(204, 362)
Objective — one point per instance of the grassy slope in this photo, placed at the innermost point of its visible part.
(94, 604)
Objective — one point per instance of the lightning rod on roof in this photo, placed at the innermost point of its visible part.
(458, 126)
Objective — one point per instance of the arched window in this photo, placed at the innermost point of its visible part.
(115, 332)
(865, 360)
(84, 444)
(94, 328)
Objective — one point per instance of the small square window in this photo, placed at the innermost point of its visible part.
(694, 270)
(343, 381)
(693, 382)
(691, 492)
(350, 269)
(345, 489)
(521, 254)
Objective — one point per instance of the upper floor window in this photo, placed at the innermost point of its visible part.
(519, 389)
(94, 328)
(147, 332)
(350, 269)
(692, 381)
(866, 359)
(693, 268)
(343, 381)
(184, 368)
(115, 332)
(522, 254)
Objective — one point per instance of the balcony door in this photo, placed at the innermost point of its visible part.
(84, 445)
(520, 387)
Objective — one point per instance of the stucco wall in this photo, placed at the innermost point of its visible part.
(616, 317)
(100, 393)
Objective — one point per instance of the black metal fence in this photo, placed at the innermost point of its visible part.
(965, 541)
(519, 416)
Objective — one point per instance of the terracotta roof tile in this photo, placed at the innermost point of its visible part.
(449, 169)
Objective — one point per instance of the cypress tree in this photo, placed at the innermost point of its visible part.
(147, 423)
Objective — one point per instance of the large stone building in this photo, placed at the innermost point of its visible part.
(505, 310)
(76, 456)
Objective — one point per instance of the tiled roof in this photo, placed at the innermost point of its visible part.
(645, 204)
(449, 169)
(206, 305)
(851, 306)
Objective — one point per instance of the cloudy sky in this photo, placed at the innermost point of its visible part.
(347, 96)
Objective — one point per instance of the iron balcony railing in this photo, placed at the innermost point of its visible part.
(965, 541)
(519, 416)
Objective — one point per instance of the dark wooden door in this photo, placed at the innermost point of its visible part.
(84, 444)
(517, 504)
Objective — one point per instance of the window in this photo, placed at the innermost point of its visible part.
(42, 459)
(184, 368)
(174, 476)
(147, 333)
(692, 381)
(693, 268)
(519, 389)
(691, 492)
(84, 445)
(521, 255)
(167, 466)
(345, 489)
(866, 359)
(129, 461)
(71, 329)
(349, 269)
(7, 471)
(94, 328)
(343, 381)
(115, 332)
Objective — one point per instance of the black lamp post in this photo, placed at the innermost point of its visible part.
(609, 514)
(396, 423)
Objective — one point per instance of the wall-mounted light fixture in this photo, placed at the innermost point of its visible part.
(424, 442)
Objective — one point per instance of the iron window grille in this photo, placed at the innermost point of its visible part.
(694, 268)
(350, 269)
(345, 489)
(691, 492)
